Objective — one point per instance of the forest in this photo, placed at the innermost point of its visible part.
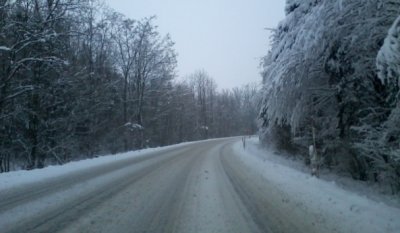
(78, 80)
(332, 80)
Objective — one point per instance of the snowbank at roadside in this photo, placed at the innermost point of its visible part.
(18, 178)
(22, 177)
(347, 211)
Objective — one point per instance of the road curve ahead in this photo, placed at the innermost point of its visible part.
(192, 188)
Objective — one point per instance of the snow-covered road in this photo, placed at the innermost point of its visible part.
(208, 186)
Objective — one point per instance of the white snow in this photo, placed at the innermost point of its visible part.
(23, 177)
(133, 126)
(54, 201)
(340, 5)
(19, 178)
(4, 48)
(388, 58)
(331, 205)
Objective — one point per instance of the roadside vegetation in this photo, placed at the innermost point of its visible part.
(331, 80)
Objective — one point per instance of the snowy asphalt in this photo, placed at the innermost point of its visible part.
(203, 187)
(194, 188)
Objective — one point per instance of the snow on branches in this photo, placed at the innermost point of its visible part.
(321, 73)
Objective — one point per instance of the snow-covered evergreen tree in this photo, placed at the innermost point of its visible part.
(387, 158)
(320, 73)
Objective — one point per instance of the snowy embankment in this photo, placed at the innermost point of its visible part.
(331, 206)
(23, 177)
(20, 178)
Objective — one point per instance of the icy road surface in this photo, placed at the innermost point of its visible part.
(209, 186)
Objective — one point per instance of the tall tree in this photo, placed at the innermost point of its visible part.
(320, 78)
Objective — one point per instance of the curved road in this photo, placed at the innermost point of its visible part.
(198, 187)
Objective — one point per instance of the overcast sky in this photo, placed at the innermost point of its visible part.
(226, 38)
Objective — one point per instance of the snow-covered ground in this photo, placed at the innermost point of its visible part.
(191, 187)
(368, 189)
(23, 177)
(346, 209)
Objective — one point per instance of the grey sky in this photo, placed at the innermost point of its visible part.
(226, 38)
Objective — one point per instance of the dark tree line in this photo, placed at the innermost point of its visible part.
(326, 85)
(79, 80)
